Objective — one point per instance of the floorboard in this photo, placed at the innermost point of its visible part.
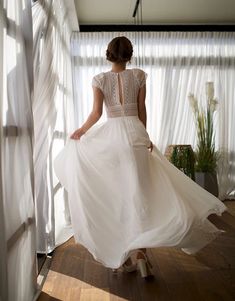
(208, 275)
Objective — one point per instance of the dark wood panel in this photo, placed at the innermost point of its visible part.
(157, 27)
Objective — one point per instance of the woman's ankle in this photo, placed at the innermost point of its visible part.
(141, 254)
(128, 262)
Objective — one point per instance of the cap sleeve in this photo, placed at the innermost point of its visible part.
(97, 81)
(140, 76)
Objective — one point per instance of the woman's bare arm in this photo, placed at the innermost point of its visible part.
(142, 110)
(141, 105)
(94, 115)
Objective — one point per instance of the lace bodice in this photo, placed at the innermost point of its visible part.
(120, 91)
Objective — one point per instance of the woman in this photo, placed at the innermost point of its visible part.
(124, 195)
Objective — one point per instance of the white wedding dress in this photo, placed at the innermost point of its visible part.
(123, 197)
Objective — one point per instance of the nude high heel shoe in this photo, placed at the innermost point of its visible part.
(144, 266)
(131, 267)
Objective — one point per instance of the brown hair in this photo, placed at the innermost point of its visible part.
(119, 50)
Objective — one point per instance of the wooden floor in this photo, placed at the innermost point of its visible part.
(209, 275)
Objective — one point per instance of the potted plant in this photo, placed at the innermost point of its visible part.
(182, 156)
(205, 155)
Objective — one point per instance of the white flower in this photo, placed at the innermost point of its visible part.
(210, 90)
(193, 102)
(213, 104)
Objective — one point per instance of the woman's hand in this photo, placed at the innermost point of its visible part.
(77, 134)
(94, 115)
(150, 147)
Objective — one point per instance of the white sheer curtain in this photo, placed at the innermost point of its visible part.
(53, 118)
(18, 244)
(176, 63)
(3, 249)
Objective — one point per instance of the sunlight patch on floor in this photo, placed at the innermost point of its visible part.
(78, 289)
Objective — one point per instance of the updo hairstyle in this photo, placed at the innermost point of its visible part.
(119, 50)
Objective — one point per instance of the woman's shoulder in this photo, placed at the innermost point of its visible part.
(136, 70)
(97, 80)
(140, 76)
(99, 75)
(139, 73)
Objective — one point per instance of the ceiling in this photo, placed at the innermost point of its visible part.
(156, 11)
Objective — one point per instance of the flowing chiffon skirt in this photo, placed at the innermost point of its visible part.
(123, 197)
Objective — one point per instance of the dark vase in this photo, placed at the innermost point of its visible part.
(208, 181)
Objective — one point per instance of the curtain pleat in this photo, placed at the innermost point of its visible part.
(18, 242)
(53, 118)
(3, 249)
